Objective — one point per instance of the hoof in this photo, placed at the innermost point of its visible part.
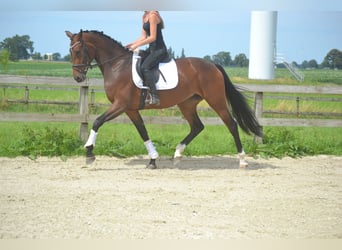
(152, 164)
(90, 156)
(90, 160)
(176, 160)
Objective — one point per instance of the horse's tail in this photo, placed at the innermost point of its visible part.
(241, 110)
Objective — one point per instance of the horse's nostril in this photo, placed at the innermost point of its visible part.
(79, 78)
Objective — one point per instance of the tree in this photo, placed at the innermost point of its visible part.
(223, 58)
(171, 52)
(333, 59)
(36, 56)
(294, 63)
(241, 60)
(20, 47)
(56, 56)
(313, 64)
(280, 66)
(183, 54)
(304, 64)
(67, 58)
(208, 58)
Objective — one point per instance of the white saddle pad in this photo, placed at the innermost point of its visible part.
(169, 71)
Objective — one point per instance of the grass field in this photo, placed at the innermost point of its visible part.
(34, 139)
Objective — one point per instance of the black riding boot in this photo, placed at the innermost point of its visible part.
(154, 96)
(149, 81)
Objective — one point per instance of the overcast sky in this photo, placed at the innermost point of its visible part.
(303, 32)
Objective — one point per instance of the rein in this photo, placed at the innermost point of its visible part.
(97, 64)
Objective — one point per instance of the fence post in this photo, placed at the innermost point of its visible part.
(297, 106)
(27, 94)
(83, 105)
(258, 110)
(92, 98)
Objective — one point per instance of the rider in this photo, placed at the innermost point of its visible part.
(151, 35)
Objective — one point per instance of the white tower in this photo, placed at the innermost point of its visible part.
(262, 49)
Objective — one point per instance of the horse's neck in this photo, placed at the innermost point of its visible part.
(109, 56)
(108, 53)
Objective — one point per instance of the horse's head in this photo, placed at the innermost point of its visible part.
(81, 55)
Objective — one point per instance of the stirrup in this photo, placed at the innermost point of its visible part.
(155, 100)
(152, 99)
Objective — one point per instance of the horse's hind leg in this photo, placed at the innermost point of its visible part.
(222, 110)
(188, 109)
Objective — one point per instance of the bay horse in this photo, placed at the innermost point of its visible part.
(198, 79)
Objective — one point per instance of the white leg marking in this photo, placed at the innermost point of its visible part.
(152, 152)
(243, 162)
(91, 139)
(179, 151)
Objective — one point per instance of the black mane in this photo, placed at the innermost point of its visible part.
(100, 33)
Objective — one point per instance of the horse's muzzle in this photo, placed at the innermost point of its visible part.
(80, 77)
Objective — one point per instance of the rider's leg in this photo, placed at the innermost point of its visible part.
(150, 62)
(150, 82)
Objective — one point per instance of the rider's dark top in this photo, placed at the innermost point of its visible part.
(159, 42)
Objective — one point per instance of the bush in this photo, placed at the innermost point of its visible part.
(282, 142)
(48, 142)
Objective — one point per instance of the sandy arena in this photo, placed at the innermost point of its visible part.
(201, 197)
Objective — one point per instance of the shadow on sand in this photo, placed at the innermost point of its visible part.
(198, 163)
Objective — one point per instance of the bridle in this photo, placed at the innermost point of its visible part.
(82, 67)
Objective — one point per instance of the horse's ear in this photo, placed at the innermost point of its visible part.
(81, 32)
(69, 34)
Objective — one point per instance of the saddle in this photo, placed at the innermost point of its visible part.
(167, 69)
(154, 71)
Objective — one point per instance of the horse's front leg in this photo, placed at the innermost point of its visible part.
(110, 114)
(140, 126)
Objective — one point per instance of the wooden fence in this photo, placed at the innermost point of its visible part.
(62, 83)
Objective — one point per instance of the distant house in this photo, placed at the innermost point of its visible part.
(48, 57)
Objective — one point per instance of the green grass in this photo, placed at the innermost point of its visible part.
(41, 68)
(283, 76)
(61, 139)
